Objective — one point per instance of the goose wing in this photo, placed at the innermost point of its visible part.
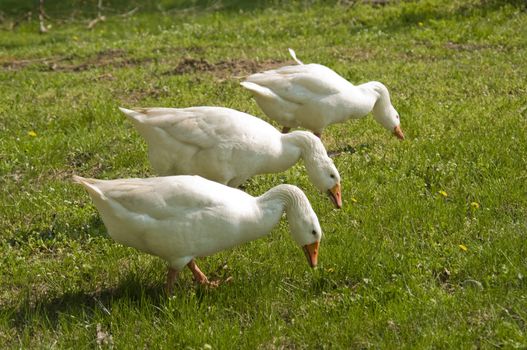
(200, 127)
(162, 198)
(300, 84)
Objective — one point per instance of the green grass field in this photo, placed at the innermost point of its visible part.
(429, 251)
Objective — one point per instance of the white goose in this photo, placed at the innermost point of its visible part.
(313, 96)
(180, 218)
(228, 146)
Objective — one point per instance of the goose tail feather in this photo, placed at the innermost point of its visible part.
(257, 89)
(136, 116)
(293, 54)
(89, 184)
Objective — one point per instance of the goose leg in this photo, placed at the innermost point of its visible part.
(200, 276)
(171, 278)
(285, 129)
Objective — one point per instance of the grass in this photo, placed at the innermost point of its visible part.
(429, 250)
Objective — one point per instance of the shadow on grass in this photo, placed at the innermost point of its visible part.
(81, 303)
(50, 233)
(339, 151)
(349, 149)
(135, 288)
(87, 304)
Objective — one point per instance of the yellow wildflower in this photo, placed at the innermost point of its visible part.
(463, 247)
(32, 133)
(443, 193)
(353, 200)
(420, 24)
(474, 205)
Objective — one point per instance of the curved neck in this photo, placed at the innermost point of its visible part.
(381, 98)
(278, 199)
(310, 147)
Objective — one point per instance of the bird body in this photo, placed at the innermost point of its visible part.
(228, 146)
(180, 218)
(314, 96)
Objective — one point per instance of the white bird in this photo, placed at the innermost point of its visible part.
(313, 96)
(180, 218)
(228, 146)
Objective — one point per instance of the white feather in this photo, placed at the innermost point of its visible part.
(179, 218)
(293, 54)
(227, 146)
(313, 96)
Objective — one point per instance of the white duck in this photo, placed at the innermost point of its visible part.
(313, 96)
(228, 146)
(180, 218)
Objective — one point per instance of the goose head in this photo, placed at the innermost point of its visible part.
(304, 225)
(319, 166)
(384, 112)
(325, 176)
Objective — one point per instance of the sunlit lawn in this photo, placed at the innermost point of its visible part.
(429, 250)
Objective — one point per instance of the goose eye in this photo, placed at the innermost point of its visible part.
(314, 232)
(332, 176)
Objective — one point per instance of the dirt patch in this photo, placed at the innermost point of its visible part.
(136, 96)
(372, 2)
(118, 58)
(106, 58)
(14, 64)
(471, 47)
(225, 68)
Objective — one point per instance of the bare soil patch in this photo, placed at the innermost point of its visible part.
(224, 68)
(118, 58)
(471, 47)
(111, 58)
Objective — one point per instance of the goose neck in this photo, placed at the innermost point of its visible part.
(382, 104)
(282, 198)
(310, 146)
(379, 92)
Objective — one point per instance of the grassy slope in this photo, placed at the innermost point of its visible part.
(391, 273)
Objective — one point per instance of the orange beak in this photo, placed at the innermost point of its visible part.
(398, 132)
(311, 251)
(336, 196)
